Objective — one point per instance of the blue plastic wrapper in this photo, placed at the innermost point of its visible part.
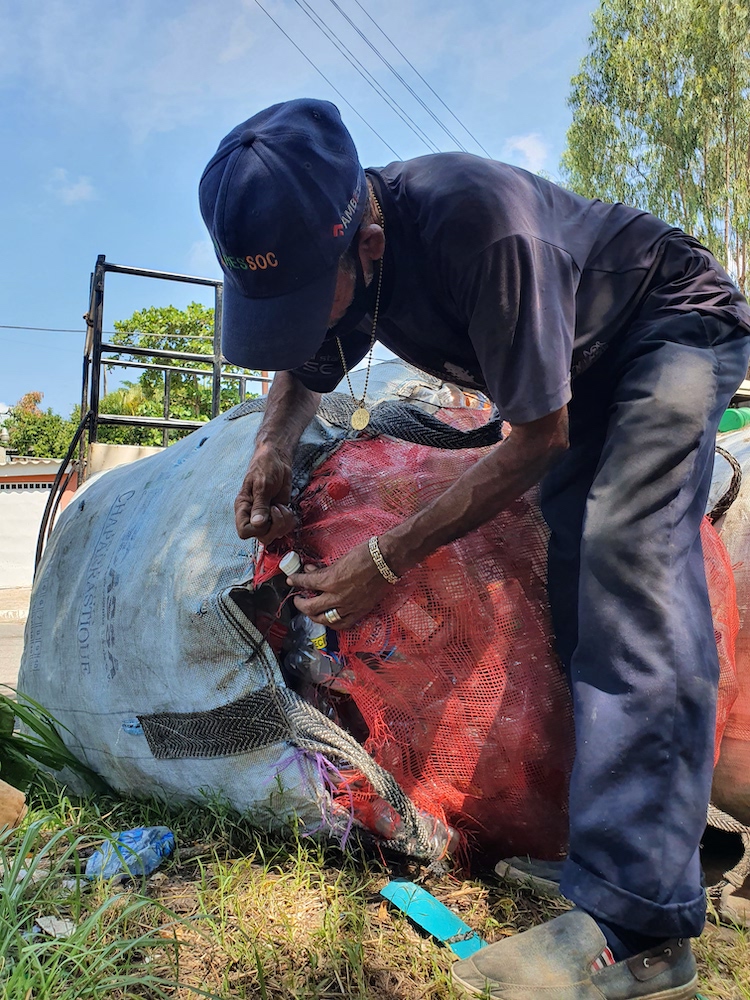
(434, 916)
(132, 854)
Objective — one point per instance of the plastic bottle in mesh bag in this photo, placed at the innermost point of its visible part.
(308, 656)
(306, 643)
(381, 817)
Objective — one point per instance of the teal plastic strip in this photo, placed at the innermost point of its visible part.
(431, 915)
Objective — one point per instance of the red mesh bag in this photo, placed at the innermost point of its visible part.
(731, 790)
(723, 596)
(454, 674)
(735, 534)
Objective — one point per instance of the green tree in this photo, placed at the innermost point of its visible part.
(661, 117)
(36, 432)
(167, 328)
(131, 399)
(47, 434)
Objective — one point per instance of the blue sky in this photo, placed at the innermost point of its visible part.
(109, 112)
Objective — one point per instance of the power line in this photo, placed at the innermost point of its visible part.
(322, 25)
(429, 87)
(398, 76)
(43, 329)
(330, 84)
(109, 333)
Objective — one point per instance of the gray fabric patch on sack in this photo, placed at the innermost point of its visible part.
(250, 723)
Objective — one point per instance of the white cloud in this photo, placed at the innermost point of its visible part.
(532, 149)
(158, 68)
(70, 191)
(202, 260)
(153, 71)
(241, 40)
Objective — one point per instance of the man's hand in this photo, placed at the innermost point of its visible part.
(481, 492)
(352, 585)
(261, 509)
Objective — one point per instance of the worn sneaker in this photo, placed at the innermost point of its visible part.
(543, 877)
(568, 959)
(734, 905)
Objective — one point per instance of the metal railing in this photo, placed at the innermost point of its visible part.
(99, 353)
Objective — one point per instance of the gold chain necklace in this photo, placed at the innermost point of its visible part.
(361, 416)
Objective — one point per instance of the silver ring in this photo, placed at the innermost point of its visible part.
(332, 616)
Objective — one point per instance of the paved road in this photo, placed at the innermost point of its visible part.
(11, 647)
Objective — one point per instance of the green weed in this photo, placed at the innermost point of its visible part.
(239, 914)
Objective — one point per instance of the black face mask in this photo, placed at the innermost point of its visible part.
(362, 304)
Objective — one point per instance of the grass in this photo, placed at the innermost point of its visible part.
(240, 914)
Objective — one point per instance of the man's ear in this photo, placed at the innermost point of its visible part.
(371, 243)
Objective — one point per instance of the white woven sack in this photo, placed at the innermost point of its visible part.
(131, 616)
(164, 686)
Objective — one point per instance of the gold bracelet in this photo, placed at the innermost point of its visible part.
(381, 565)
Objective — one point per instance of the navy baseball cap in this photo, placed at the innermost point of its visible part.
(282, 199)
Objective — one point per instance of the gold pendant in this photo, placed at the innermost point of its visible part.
(360, 418)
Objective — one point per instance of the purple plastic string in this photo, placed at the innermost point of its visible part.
(327, 773)
(294, 758)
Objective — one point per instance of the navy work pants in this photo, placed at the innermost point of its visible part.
(632, 618)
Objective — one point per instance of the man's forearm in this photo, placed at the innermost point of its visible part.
(289, 409)
(485, 489)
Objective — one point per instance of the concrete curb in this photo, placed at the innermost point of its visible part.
(14, 616)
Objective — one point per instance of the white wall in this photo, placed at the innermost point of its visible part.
(20, 516)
